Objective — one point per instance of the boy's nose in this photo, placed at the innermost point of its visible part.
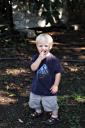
(43, 48)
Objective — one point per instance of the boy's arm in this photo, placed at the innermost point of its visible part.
(35, 65)
(54, 87)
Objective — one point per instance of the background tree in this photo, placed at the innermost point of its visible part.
(48, 9)
(6, 12)
(76, 11)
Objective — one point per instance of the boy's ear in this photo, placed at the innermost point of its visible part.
(50, 46)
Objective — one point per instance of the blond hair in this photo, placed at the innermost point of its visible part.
(44, 37)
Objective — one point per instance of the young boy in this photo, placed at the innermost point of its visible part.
(46, 79)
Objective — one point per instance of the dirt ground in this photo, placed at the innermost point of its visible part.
(15, 81)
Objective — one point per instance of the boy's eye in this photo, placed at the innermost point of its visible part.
(43, 46)
(40, 45)
(46, 45)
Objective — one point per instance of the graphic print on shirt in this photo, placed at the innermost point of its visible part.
(42, 72)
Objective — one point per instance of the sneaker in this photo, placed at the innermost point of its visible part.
(52, 121)
(35, 115)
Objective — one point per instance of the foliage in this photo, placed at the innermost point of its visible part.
(49, 9)
(76, 10)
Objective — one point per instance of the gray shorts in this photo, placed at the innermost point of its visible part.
(49, 103)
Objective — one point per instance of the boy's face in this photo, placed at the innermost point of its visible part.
(43, 47)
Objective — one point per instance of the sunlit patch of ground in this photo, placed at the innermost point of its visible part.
(6, 98)
(71, 100)
(3, 125)
(15, 71)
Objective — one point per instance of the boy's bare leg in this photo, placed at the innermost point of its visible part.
(54, 114)
(38, 110)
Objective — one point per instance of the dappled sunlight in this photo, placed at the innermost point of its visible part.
(7, 40)
(76, 27)
(15, 72)
(7, 98)
(82, 57)
(69, 49)
(71, 99)
(73, 69)
(78, 49)
(12, 86)
(57, 43)
(31, 41)
(55, 33)
(80, 99)
(16, 89)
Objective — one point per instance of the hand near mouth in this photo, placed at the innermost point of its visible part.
(42, 55)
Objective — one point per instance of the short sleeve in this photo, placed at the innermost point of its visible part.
(57, 66)
(34, 57)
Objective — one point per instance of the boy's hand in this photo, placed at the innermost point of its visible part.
(42, 55)
(54, 89)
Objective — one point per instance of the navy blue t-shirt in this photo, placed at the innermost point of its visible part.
(44, 76)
